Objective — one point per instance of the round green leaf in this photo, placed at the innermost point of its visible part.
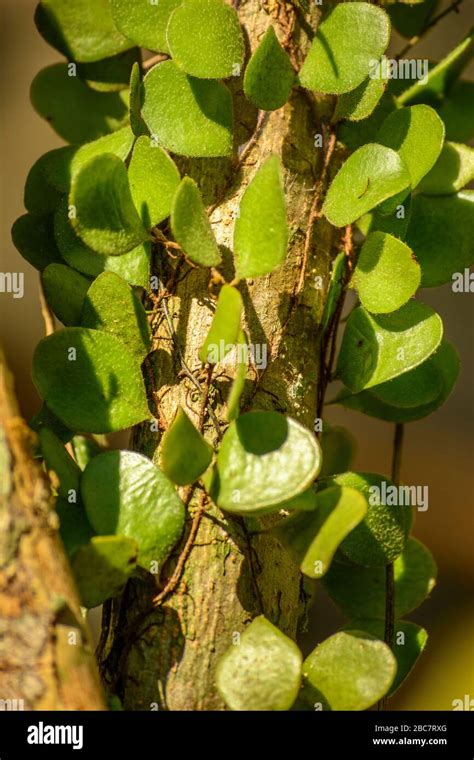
(75, 111)
(349, 671)
(420, 386)
(106, 219)
(191, 226)
(59, 461)
(377, 348)
(83, 30)
(153, 178)
(144, 22)
(34, 239)
(369, 176)
(65, 290)
(339, 447)
(74, 527)
(205, 39)
(261, 229)
(440, 232)
(359, 103)
(189, 116)
(386, 275)
(381, 537)
(262, 671)
(40, 197)
(89, 381)
(453, 170)
(313, 537)
(111, 305)
(225, 327)
(269, 76)
(126, 494)
(349, 39)
(360, 591)
(265, 459)
(102, 567)
(185, 455)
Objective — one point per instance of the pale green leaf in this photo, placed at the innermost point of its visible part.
(361, 102)
(144, 22)
(238, 384)
(102, 567)
(153, 178)
(185, 455)
(225, 327)
(65, 290)
(269, 76)
(85, 448)
(58, 460)
(191, 226)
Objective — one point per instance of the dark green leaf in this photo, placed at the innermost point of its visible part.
(336, 285)
(339, 447)
(74, 527)
(136, 122)
(361, 102)
(46, 418)
(191, 226)
(456, 112)
(269, 75)
(110, 74)
(102, 567)
(411, 20)
(65, 290)
(225, 326)
(144, 22)
(34, 239)
(395, 223)
(185, 455)
(453, 170)
(40, 198)
(357, 133)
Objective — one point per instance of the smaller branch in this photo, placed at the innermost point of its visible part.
(454, 7)
(146, 65)
(46, 313)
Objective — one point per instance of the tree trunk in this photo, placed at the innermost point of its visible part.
(164, 658)
(46, 658)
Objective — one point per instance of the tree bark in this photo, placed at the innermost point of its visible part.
(165, 657)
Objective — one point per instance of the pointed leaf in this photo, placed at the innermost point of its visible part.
(89, 381)
(102, 567)
(453, 170)
(65, 290)
(144, 22)
(262, 671)
(225, 326)
(124, 493)
(191, 226)
(185, 455)
(269, 76)
(361, 102)
(34, 239)
(135, 106)
(336, 285)
(58, 460)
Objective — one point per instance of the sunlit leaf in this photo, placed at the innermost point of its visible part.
(269, 75)
(453, 170)
(153, 178)
(102, 567)
(144, 22)
(65, 290)
(225, 326)
(191, 226)
(238, 384)
(361, 102)
(58, 460)
(335, 289)
(85, 448)
(185, 455)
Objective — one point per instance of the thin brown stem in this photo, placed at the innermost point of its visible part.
(46, 313)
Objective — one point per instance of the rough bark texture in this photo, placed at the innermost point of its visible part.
(46, 658)
(166, 659)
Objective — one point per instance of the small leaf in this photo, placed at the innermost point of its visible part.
(395, 223)
(153, 178)
(40, 197)
(75, 111)
(360, 591)
(83, 30)
(205, 39)
(440, 231)
(225, 326)
(102, 567)
(361, 102)
(265, 459)
(191, 117)
(377, 348)
(456, 112)
(339, 447)
(381, 537)
(369, 176)
(74, 527)
(126, 494)
(191, 226)
(135, 106)
(111, 305)
(65, 290)
(313, 537)
(262, 671)
(34, 239)
(269, 76)
(106, 219)
(59, 461)
(261, 230)
(185, 455)
(85, 449)
(89, 381)
(238, 384)
(144, 22)
(386, 275)
(336, 285)
(453, 170)
(110, 74)
(349, 671)
(349, 39)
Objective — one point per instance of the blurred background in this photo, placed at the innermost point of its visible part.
(438, 451)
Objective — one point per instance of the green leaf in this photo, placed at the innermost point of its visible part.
(361, 102)
(357, 133)
(382, 535)
(440, 231)
(134, 267)
(269, 76)
(420, 386)
(417, 134)
(102, 567)
(40, 197)
(313, 537)
(135, 106)
(225, 326)
(46, 418)
(153, 178)
(339, 447)
(377, 348)
(85, 449)
(75, 111)
(369, 176)
(205, 39)
(185, 455)
(89, 381)
(261, 230)
(410, 21)
(191, 117)
(262, 671)
(349, 671)
(349, 38)
(126, 494)
(360, 591)
(111, 305)
(395, 223)
(34, 239)
(83, 30)
(144, 22)
(387, 274)
(409, 640)
(106, 219)
(446, 361)
(74, 527)
(456, 112)
(59, 461)
(265, 459)
(336, 285)
(65, 290)
(191, 226)
(238, 384)
(453, 170)
(110, 74)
